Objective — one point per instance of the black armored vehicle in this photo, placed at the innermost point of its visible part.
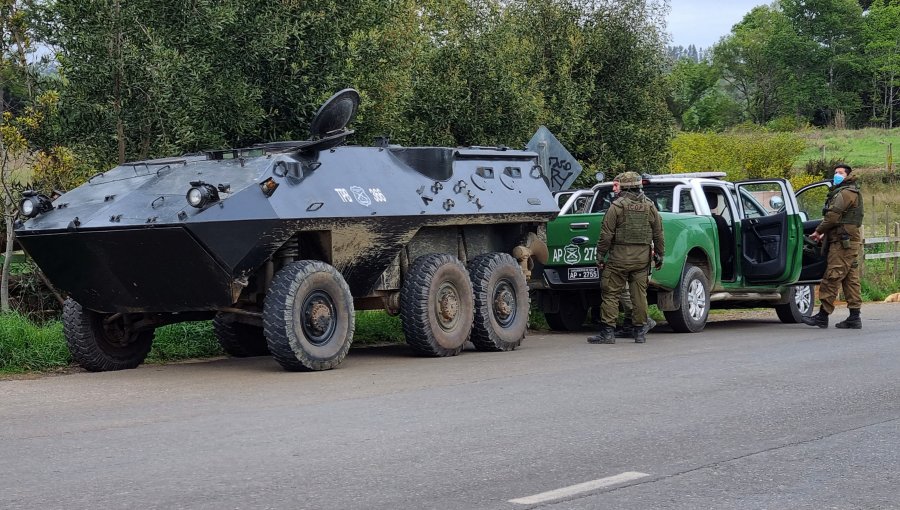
(280, 243)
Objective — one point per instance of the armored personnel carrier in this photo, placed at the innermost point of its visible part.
(280, 243)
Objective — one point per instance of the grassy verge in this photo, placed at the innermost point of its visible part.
(29, 347)
(866, 148)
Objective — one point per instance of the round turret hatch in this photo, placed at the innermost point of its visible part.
(334, 116)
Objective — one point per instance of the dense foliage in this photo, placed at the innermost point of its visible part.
(794, 63)
(142, 78)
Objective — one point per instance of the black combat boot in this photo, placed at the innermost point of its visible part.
(820, 319)
(605, 337)
(852, 322)
(640, 332)
(626, 330)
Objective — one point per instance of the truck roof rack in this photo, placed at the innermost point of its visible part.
(705, 175)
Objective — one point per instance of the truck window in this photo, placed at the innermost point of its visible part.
(686, 203)
(660, 194)
(811, 200)
(763, 199)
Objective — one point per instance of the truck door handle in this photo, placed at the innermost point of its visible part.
(579, 226)
(579, 240)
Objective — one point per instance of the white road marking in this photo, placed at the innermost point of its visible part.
(572, 490)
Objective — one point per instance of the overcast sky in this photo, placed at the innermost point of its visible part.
(703, 22)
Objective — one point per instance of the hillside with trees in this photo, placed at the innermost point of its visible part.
(793, 63)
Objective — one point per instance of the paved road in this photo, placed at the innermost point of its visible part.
(748, 414)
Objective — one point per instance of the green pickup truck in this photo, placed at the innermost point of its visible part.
(728, 245)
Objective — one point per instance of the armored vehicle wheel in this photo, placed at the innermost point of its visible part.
(436, 305)
(501, 302)
(694, 302)
(101, 345)
(571, 314)
(238, 339)
(308, 316)
(801, 301)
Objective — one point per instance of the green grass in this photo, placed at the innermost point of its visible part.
(185, 340)
(376, 327)
(864, 148)
(26, 346)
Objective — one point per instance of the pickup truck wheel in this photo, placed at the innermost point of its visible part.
(501, 302)
(99, 344)
(437, 305)
(800, 304)
(308, 316)
(571, 314)
(238, 339)
(694, 302)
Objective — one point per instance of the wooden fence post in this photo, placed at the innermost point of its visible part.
(862, 252)
(896, 248)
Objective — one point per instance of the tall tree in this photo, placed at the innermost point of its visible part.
(835, 27)
(882, 30)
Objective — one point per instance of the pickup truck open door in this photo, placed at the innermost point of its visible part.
(810, 202)
(771, 233)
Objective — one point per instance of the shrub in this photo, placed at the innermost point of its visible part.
(821, 168)
(786, 124)
(25, 346)
(745, 155)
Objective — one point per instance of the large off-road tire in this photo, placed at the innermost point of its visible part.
(801, 303)
(238, 339)
(694, 302)
(308, 316)
(437, 305)
(501, 302)
(98, 346)
(571, 314)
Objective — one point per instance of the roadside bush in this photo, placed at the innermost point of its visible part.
(821, 168)
(26, 346)
(744, 155)
(786, 124)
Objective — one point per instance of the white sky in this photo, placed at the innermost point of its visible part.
(703, 22)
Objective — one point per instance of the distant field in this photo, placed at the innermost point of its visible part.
(864, 148)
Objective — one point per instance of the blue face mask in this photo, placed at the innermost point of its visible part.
(838, 178)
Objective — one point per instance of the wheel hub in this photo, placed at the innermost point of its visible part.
(504, 303)
(696, 300)
(803, 299)
(318, 318)
(447, 306)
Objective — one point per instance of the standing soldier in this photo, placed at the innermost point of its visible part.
(629, 228)
(840, 229)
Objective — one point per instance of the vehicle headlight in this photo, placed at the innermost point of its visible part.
(33, 203)
(28, 208)
(201, 195)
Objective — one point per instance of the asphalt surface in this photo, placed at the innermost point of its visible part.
(747, 414)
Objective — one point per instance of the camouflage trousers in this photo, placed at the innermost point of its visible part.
(841, 273)
(614, 281)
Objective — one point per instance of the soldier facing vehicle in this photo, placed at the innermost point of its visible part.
(631, 225)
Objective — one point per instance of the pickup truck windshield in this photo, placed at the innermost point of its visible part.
(660, 193)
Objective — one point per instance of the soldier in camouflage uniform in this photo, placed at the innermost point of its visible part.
(630, 226)
(843, 215)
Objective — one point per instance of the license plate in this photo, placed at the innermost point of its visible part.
(583, 273)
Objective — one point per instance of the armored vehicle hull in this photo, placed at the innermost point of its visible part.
(281, 243)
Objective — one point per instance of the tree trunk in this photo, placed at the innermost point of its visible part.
(117, 83)
(10, 237)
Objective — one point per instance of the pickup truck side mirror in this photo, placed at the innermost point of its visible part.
(776, 202)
